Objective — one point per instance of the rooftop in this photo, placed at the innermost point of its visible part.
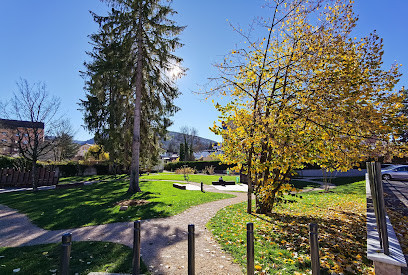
(12, 124)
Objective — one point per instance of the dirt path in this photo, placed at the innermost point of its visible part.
(164, 241)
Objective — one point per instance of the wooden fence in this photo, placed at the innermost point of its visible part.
(16, 178)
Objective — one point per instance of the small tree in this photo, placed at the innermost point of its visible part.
(33, 105)
(182, 152)
(308, 92)
(189, 138)
(96, 152)
(65, 147)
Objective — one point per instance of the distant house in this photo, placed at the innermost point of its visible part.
(206, 155)
(13, 131)
(82, 151)
(168, 157)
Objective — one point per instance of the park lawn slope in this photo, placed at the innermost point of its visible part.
(97, 203)
(86, 257)
(206, 179)
(282, 238)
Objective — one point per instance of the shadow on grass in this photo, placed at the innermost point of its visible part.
(98, 203)
(299, 184)
(94, 204)
(85, 257)
(343, 238)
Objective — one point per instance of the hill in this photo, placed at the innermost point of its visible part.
(172, 143)
(89, 141)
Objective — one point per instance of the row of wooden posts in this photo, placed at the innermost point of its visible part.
(314, 250)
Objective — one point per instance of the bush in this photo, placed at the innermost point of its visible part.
(6, 162)
(185, 170)
(197, 165)
(15, 163)
(102, 169)
(70, 169)
(75, 168)
(209, 170)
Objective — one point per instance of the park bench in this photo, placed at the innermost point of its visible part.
(223, 182)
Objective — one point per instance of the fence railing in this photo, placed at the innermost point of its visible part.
(15, 178)
(314, 247)
(377, 195)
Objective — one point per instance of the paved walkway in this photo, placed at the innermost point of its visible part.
(164, 241)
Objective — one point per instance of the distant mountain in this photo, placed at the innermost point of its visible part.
(172, 143)
(89, 141)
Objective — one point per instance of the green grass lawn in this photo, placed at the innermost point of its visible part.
(85, 257)
(346, 180)
(65, 180)
(96, 204)
(282, 238)
(206, 179)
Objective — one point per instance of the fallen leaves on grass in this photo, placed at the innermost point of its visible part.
(282, 239)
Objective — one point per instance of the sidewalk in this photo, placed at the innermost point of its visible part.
(164, 241)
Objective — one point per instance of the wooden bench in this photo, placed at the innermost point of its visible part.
(179, 186)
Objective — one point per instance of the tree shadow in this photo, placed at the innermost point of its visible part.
(93, 204)
(342, 238)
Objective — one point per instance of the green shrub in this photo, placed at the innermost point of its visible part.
(102, 169)
(6, 162)
(73, 168)
(16, 163)
(69, 169)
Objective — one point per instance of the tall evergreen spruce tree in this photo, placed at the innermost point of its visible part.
(128, 82)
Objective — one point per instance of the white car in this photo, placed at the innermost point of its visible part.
(397, 172)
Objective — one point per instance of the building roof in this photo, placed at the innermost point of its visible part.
(12, 124)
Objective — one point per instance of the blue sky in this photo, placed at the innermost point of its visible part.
(46, 41)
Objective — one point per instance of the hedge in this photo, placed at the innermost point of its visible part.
(6, 162)
(67, 169)
(72, 168)
(198, 165)
(9, 162)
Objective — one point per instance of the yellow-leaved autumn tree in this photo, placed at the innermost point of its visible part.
(307, 93)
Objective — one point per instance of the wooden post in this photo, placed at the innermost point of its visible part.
(65, 253)
(314, 249)
(191, 250)
(250, 249)
(136, 248)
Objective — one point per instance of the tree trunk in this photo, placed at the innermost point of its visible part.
(250, 183)
(264, 207)
(134, 169)
(34, 175)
